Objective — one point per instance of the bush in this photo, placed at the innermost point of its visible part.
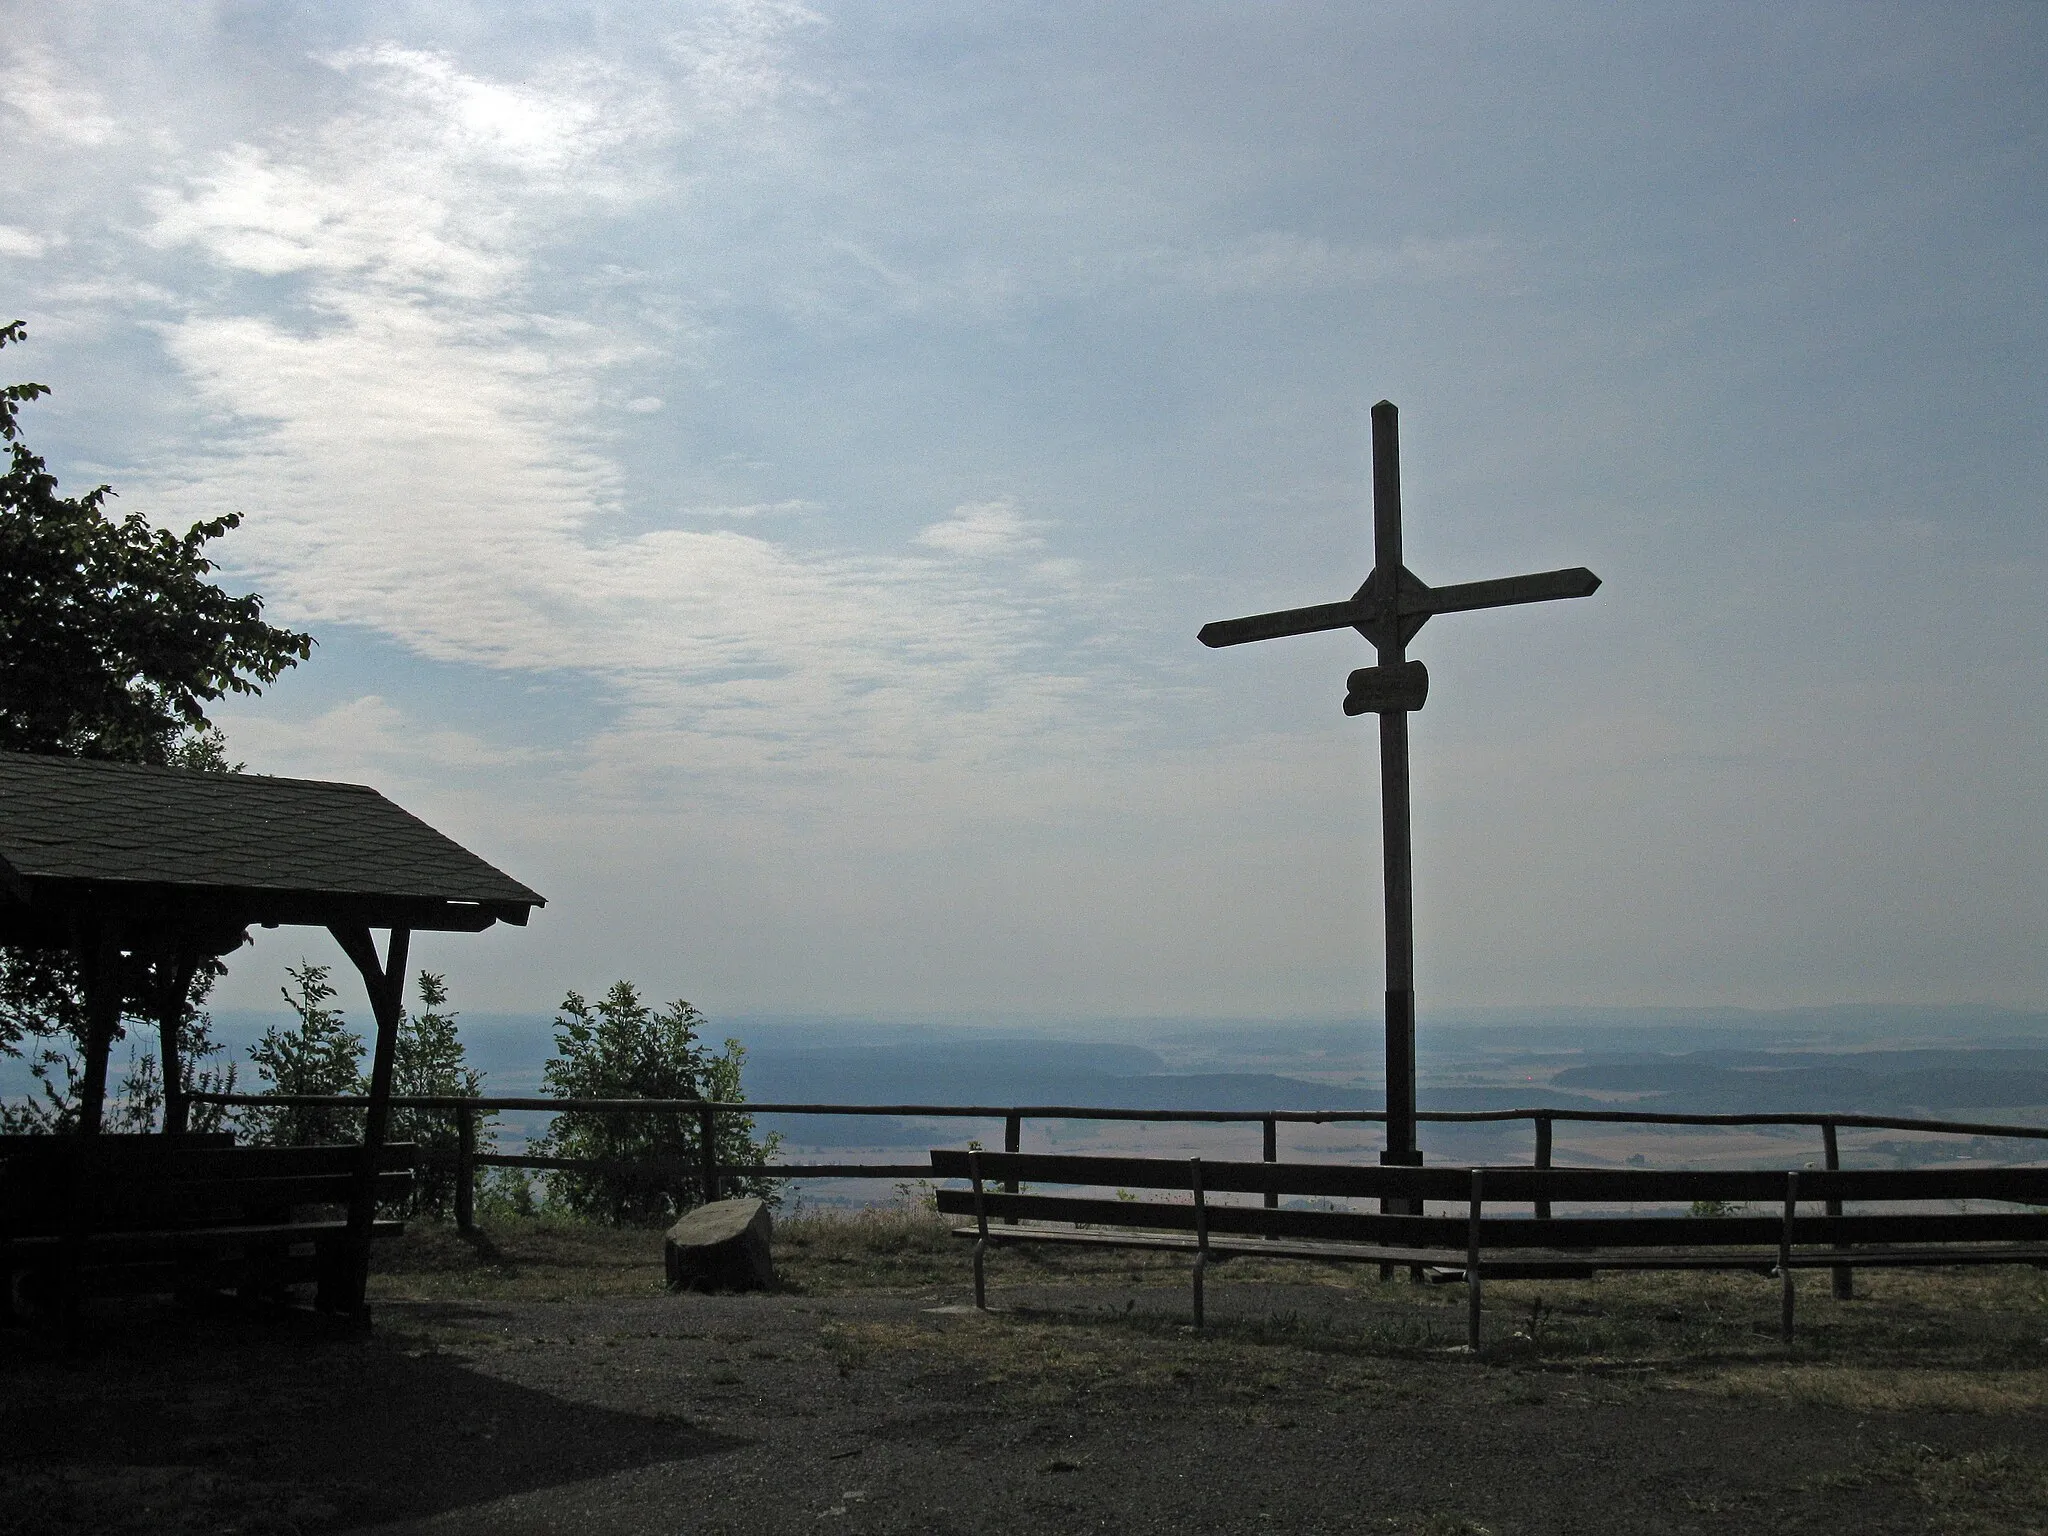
(137, 1104)
(503, 1194)
(623, 1049)
(321, 1056)
(428, 1061)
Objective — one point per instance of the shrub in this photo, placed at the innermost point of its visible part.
(321, 1055)
(428, 1061)
(623, 1049)
(137, 1104)
(505, 1193)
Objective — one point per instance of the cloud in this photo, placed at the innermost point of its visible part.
(369, 738)
(735, 57)
(981, 530)
(420, 188)
(52, 105)
(730, 513)
(19, 242)
(413, 439)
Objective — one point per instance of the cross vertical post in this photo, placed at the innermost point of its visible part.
(1387, 610)
(1397, 862)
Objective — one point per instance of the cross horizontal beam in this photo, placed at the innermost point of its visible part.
(1360, 612)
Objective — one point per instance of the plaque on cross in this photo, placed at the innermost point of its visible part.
(1388, 609)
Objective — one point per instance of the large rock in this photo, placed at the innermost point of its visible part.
(721, 1247)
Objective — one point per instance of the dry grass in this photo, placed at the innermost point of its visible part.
(1885, 1389)
(1968, 1493)
(879, 1250)
(884, 1248)
(531, 1259)
(1973, 1341)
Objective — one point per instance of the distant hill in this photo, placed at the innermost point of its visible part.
(1928, 1061)
(1897, 1082)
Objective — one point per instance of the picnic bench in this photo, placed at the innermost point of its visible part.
(1505, 1228)
(186, 1215)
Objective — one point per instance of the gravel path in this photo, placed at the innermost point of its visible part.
(1074, 1409)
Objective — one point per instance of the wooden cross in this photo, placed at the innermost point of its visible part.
(1388, 609)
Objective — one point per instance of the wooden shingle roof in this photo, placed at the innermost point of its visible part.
(228, 850)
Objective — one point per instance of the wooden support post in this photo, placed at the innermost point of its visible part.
(1397, 871)
(980, 1234)
(1201, 1232)
(707, 1153)
(1013, 1141)
(1844, 1278)
(1390, 645)
(99, 969)
(1785, 1291)
(384, 980)
(174, 984)
(1545, 1129)
(1272, 1155)
(1472, 1263)
(465, 1168)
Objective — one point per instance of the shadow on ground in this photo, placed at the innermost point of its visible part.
(261, 1424)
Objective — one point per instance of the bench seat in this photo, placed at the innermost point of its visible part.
(102, 1216)
(1525, 1264)
(120, 1247)
(1010, 1205)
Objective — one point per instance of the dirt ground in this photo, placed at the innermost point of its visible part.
(540, 1382)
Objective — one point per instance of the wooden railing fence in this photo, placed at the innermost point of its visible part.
(710, 1176)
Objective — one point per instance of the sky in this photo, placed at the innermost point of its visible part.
(755, 473)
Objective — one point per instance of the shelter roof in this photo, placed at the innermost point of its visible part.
(176, 851)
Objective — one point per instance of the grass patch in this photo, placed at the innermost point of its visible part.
(1971, 1340)
(553, 1258)
(1886, 1389)
(1998, 1492)
(538, 1258)
(883, 1248)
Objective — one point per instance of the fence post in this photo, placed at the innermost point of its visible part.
(1785, 1257)
(1472, 1267)
(1013, 1141)
(465, 1168)
(980, 1234)
(1544, 1130)
(1844, 1276)
(1272, 1153)
(707, 1151)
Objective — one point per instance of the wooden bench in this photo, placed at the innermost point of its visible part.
(1484, 1239)
(188, 1215)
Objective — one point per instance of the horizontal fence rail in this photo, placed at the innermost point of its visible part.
(711, 1177)
(491, 1105)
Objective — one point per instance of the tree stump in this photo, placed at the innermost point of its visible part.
(723, 1246)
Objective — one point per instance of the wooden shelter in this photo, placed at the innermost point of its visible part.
(145, 873)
